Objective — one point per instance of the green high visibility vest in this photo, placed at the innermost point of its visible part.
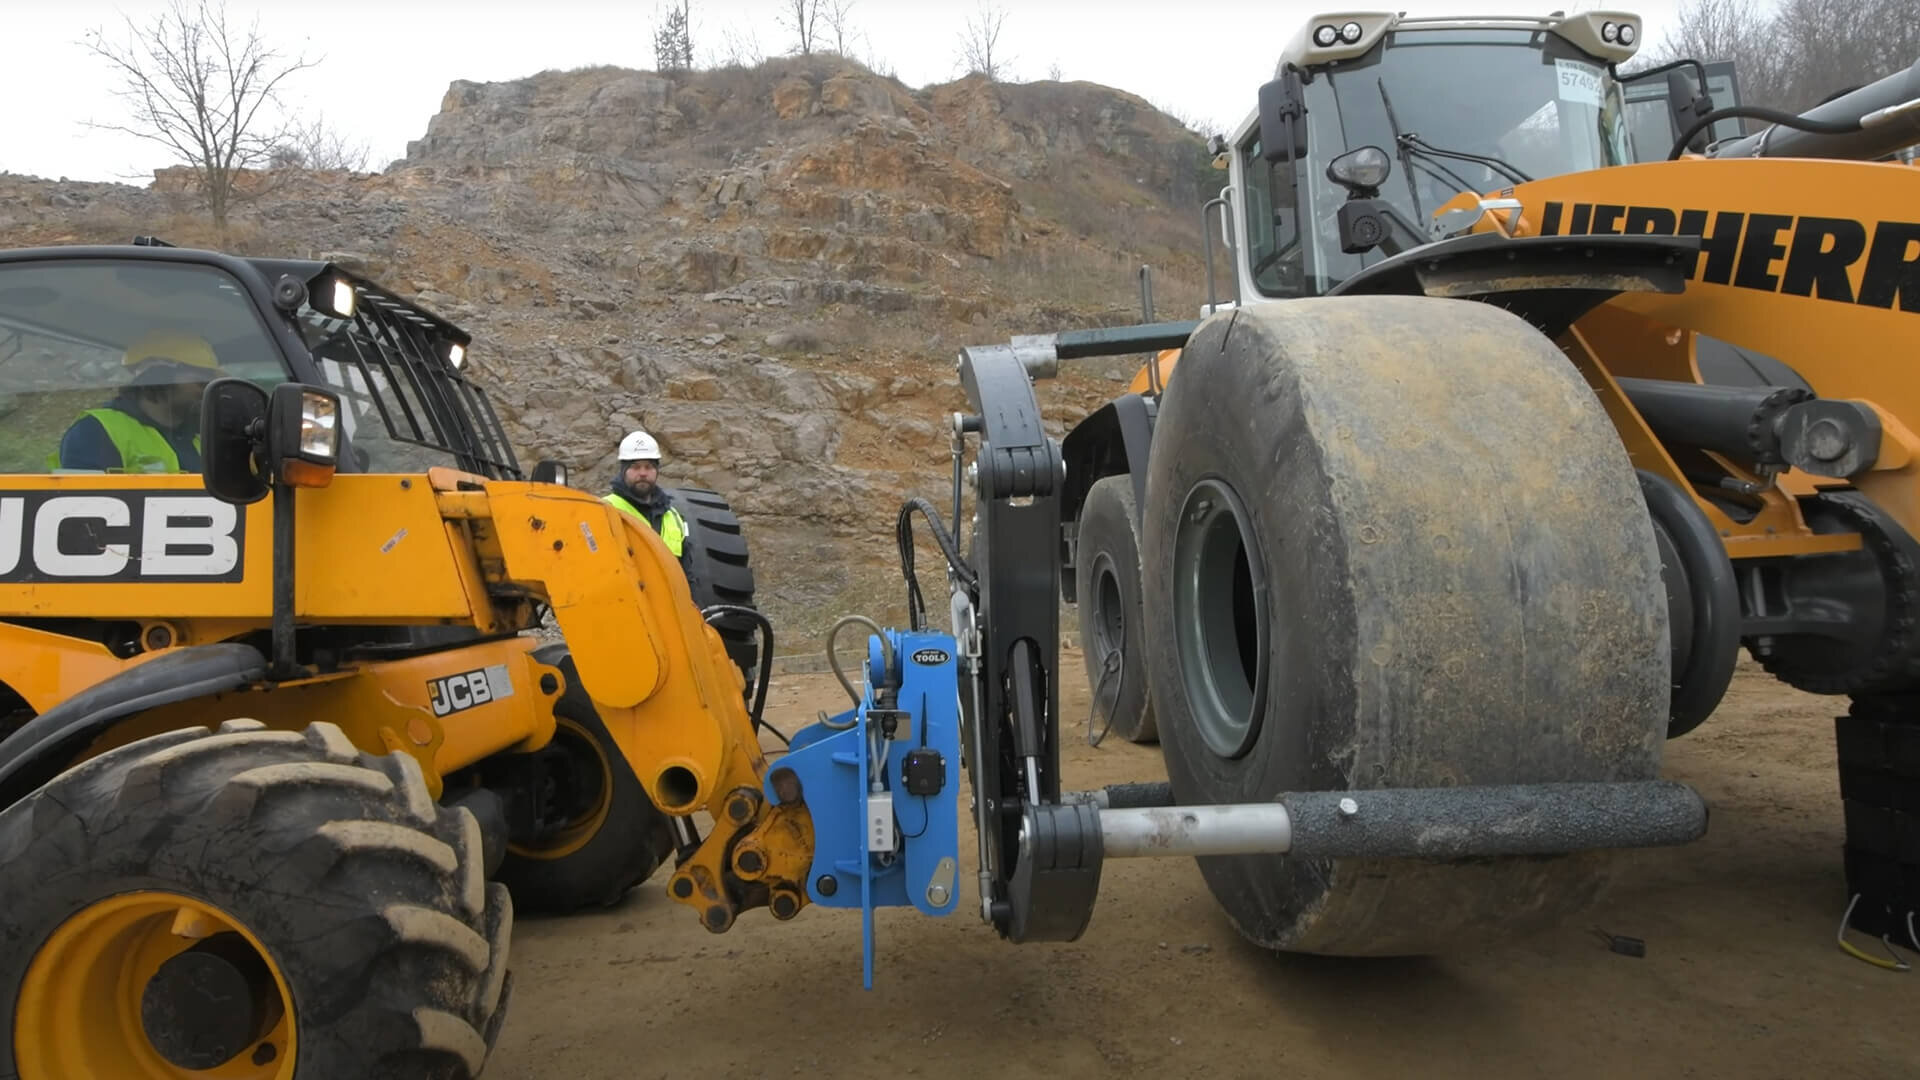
(673, 528)
(142, 449)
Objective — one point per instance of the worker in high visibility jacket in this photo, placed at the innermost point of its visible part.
(637, 490)
(153, 423)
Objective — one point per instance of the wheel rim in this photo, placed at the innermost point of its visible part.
(123, 986)
(582, 827)
(1220, 618)
(1109, 614)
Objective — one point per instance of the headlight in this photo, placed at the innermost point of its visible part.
(319, 426)
(1367, 167)
(343, 299)
(456, 355)
(1350, 33)
(1325, 36)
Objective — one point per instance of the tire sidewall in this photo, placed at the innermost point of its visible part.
(1306, 716)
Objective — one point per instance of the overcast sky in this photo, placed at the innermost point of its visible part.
(385, 65)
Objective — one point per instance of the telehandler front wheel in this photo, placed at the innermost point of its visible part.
(247, 904)
(1394, 542)
(1112, 628)
(602, 835)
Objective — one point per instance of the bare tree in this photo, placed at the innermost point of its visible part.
(673, 39)
(317, 145)
(835, 14)
(1794, 54)
(980, 45)
(802, 19)
(738, 48)
(198, 89)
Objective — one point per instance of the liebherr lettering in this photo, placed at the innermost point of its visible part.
(118, 536)
(1798, 256)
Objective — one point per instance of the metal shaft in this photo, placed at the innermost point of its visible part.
(1464, 822)
(1238, 829)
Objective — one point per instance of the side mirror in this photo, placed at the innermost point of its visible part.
(233, 425)
(1686, 104)
(1283, 118)
(549, 471)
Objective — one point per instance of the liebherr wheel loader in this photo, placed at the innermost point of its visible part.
(1269, 526)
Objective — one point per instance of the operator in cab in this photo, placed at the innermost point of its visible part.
(153, 424)
(636, 490)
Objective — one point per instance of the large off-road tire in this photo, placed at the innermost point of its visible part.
(1107, 591)
(614, 837)
(1394, 542)
(176, 892)
(1879, 585)
(721, 570)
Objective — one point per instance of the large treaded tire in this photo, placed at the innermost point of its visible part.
(1450, 579)
(722, 570)
(1107, 569)
(630, 843)
(1880, 582)
(369, 897)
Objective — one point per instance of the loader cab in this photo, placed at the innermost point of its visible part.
(138, 329)
(1453, 105)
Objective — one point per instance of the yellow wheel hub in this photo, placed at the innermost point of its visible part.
(582, 828)
(153, 986)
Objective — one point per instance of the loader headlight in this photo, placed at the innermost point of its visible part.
(1609, 32)
(1363, 169)
(1350, 33)
(1626, 33)
(1325, 36)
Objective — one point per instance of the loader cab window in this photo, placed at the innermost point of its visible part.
(1275, 255)
(88, 345)
(1526, 98)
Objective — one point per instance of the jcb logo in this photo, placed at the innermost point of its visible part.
(119, 536)
(458, 693)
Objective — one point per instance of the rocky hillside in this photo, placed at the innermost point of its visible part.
(770, 268)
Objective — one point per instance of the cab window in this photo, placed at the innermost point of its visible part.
(114, 353)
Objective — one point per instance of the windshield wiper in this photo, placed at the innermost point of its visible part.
(1494, 163)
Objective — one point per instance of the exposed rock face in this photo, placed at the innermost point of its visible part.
(772, 270)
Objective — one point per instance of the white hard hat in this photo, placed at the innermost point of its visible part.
(639, 446)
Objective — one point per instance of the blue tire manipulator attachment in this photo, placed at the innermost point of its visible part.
(882, 783)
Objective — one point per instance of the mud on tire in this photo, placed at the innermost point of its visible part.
(369, 898)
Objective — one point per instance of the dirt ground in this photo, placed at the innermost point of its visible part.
(1741, 976)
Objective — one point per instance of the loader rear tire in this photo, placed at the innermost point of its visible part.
(616, 840)
(1108, 597)
(1395, 542)
(342, 916)
(722, 571)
